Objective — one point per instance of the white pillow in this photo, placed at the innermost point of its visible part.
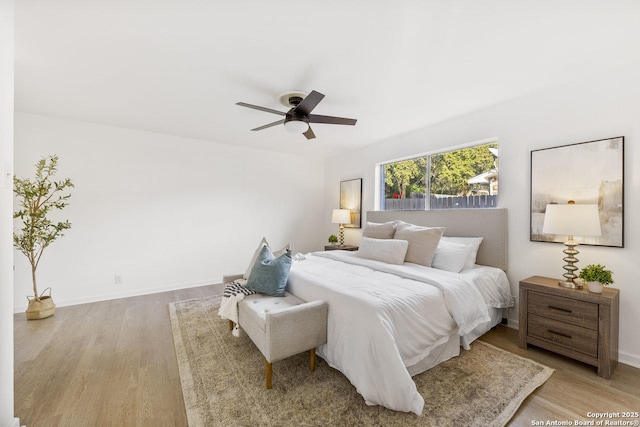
(262, 244)
(451, 256)
(391, 251)
(423, 242)
(474, 242)
(379, 231)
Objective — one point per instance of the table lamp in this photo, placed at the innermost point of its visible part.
(341, 216)
(573, 220)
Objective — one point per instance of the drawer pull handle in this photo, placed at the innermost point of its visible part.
(559, 333)
(560, 309)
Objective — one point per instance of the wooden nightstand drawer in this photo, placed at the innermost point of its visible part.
(573, 322)
(579, 313)
(572, 337)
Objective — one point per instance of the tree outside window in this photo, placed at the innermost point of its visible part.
(405, 177)
(462, 178)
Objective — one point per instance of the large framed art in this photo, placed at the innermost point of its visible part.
(351, 198)
(588, 173)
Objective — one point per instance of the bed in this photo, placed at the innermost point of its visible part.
(388, 322)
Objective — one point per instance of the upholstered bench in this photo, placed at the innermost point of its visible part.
(283, 326)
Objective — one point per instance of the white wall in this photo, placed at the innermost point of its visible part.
(164, 212)
(6, 213)
(603, 106)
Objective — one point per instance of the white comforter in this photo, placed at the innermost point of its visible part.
(384, 318)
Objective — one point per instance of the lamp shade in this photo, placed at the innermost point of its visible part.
(341, 216)
(572, 220)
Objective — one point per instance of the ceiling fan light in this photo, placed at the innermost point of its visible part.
(296, 126)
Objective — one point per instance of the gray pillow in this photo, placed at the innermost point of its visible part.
(423, 242)
(380, 231)
(269, 273)
(391, 251)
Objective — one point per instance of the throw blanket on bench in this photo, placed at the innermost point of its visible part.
(234, 292)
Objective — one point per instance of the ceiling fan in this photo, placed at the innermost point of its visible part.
(298, 118)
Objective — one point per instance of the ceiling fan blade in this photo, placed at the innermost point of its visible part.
(309, 133)
(315, 118)
(279, 122)
(308, 103)
(257, 107)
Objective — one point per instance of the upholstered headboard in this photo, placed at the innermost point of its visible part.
(491, 224)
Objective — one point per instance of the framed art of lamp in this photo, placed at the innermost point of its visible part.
(571, 220)
(594, 175)
(342, 217)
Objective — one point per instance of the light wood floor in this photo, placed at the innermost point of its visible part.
(109, 363)
(112, 363)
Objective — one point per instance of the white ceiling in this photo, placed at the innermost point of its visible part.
(179, 66)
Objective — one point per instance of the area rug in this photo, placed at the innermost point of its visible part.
(223, 383)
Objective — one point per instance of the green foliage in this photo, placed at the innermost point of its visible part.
(333, 239)
(596, 273)
(37, 199)
(451, 171)
(405, 177)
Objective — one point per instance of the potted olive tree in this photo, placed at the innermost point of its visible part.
(37, 199)
(596, 276)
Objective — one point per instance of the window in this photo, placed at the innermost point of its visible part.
(461, 178)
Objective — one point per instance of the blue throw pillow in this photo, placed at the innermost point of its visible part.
(269, 273)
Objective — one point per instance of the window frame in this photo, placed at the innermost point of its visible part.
(379, 172)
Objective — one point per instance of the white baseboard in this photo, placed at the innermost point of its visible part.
(124, 294)
(626, 358)
(629, 359)
(14, 423)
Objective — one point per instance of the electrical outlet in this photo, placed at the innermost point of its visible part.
(118, 279)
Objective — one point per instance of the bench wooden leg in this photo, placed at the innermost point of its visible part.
(268, 372)
(231, 325)
(312, 359)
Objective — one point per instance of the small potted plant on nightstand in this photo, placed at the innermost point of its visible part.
(596, 276)
(333, 239)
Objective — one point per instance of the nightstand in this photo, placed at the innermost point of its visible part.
(573, 322)
(342, 248)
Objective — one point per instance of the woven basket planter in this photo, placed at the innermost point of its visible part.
(42, 307)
